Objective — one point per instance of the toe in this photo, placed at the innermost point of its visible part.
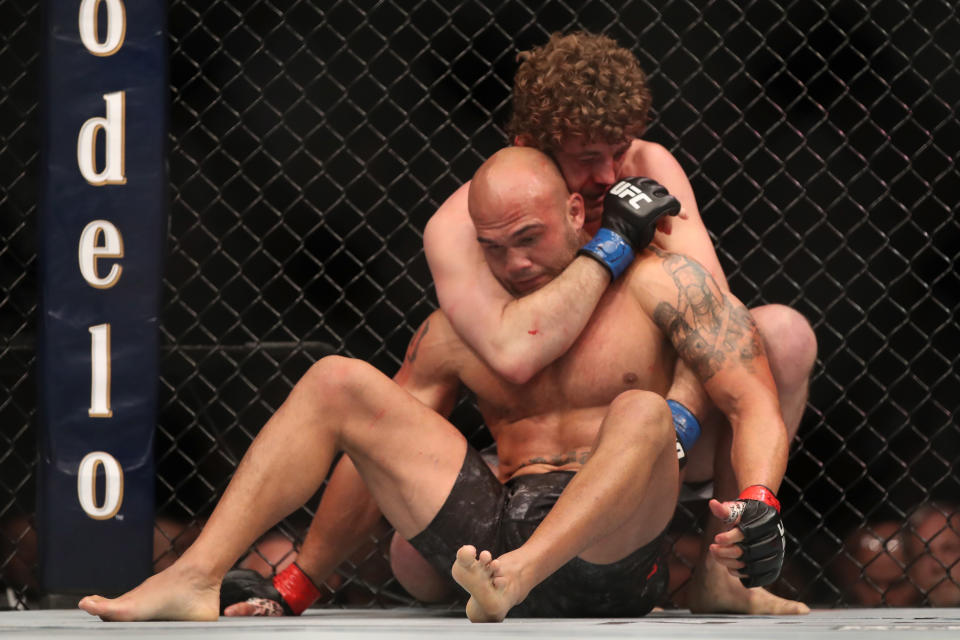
(466, 555)
(92, 604)
(239, 609)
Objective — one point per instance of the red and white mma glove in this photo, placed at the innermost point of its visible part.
(288, 594)
(764, 540)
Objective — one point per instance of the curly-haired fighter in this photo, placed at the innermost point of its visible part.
(588, 472)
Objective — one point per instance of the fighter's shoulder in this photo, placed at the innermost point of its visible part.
(435, 341)
(643, 156)
(647, 261)
(436, 329)
(431, 363)
(654, 271)
(452, 218)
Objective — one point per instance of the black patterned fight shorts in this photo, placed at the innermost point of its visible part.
(482, 512)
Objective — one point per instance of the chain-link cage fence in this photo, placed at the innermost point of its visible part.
(19, 147)
(311, 142)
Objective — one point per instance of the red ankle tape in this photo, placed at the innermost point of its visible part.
(762, 494)
(296, 588)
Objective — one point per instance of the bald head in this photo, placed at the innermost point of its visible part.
(513, 179)
(527, 223)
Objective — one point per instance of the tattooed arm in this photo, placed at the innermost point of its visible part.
(716, 337)
(428, 372)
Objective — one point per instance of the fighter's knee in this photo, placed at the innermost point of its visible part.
(415, 574)
(646, 410)
(336, 374)
(789, 339)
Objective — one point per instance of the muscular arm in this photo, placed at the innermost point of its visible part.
(688, 236)
(516, 337)
(428, 372)
(716, 337)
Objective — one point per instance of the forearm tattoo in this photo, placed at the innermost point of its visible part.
(709, 329)
(417, 339)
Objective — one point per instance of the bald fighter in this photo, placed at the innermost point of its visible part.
(584, 101)
(588, 470)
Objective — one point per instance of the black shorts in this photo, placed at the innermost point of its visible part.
(482, 512)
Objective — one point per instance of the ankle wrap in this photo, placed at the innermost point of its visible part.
(296, 588)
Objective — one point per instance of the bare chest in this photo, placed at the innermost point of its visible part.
(619, 349)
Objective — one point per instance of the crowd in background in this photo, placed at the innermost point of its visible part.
(915, 562)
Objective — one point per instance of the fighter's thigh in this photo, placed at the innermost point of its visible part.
(408, 455)
(649, 519)
(416, 575)
(660, 474)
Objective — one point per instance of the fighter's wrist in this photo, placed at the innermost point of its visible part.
(687, 429)
(594, 269)
(296, 588)
(685, 424)
(760, 493)
(611, 250)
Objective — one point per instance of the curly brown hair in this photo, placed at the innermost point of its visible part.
(578, 85)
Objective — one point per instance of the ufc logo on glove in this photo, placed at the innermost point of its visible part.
(625, 190)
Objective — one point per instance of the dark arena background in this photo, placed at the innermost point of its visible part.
(310, 142)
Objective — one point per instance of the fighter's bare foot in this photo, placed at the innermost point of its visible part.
(714, 590)
(176, 593)
(492, 591)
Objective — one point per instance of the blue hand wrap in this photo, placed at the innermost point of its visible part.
(611, 250)
(685, 424)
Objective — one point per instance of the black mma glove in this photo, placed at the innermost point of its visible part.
(764, 541)
(288, 594)
(631, 210)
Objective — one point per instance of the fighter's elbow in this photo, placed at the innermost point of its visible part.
(512, 366)
(519, 375)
